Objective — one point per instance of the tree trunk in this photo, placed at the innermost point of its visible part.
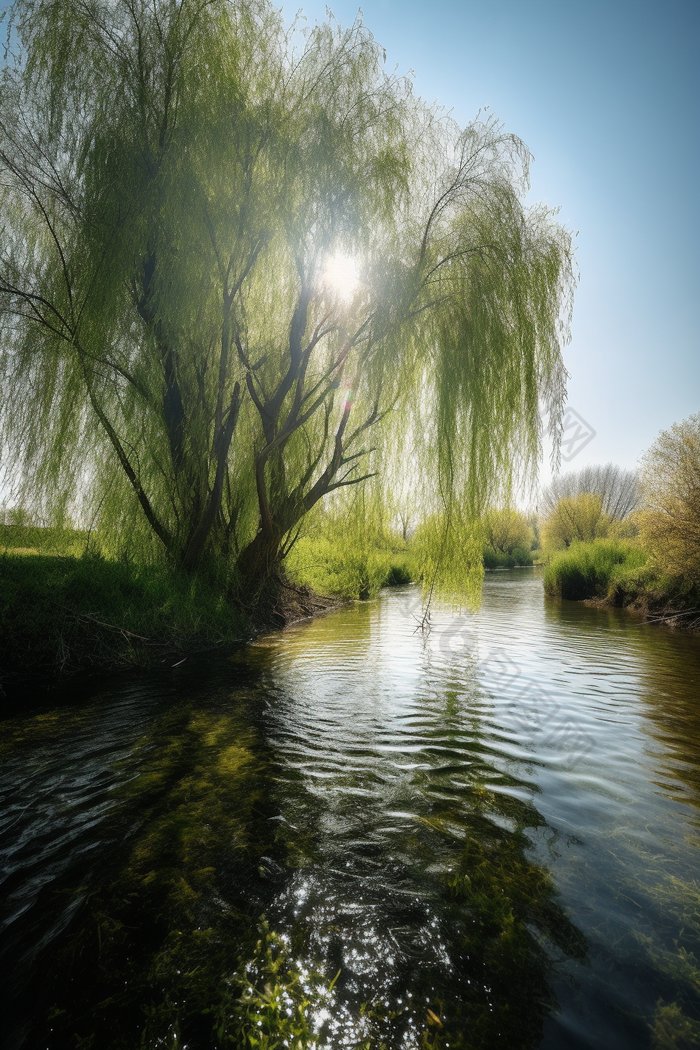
(259, 568)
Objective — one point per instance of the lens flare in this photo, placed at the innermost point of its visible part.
(341, 277)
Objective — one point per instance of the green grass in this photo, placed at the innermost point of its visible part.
(34, 539)
(331, 567)
(621, 573)
(65, 608)
(62, 614)
(593, 570)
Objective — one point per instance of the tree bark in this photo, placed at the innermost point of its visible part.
(258, 568)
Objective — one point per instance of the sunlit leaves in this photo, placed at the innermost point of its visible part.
(243, 266)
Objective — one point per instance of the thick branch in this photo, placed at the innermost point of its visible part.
(173, 408)
(159, 529)
(223, 439)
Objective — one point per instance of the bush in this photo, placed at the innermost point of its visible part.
(592, 570)
(350, 551)
(507, 532)
(575, 519)
(398, 575)
(670, 520)
(496, 560)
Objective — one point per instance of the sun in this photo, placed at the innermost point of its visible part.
(341, 277)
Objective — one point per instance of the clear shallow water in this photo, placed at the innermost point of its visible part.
(488, 832)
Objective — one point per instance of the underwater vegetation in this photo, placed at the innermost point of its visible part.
(179, 938)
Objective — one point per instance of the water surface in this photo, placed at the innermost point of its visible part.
(357, 834)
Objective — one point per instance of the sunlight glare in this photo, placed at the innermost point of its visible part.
(341, 276)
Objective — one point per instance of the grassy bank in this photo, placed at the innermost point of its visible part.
(65, 608)
(592, 570)
(60, 615)
(620, 573)
(329, 565)
(36, 539)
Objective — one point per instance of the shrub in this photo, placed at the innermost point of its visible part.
(590, 570)
(507, 530)
(398, 575)
(670, 519)
(495, 560)
(326, 564)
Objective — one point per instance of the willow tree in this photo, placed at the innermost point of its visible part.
(243, 267)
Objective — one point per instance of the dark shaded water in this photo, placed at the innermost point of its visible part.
(486, 836)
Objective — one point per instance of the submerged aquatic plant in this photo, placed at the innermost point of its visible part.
(270, 1002)
(675, 1024)
(512, 928)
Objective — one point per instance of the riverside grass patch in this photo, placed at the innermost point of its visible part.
(349, 570)
(593, 570)
(35, 539)
(60, 615)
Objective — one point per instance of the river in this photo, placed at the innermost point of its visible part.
(355, 833)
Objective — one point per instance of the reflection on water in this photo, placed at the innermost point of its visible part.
(352, 834)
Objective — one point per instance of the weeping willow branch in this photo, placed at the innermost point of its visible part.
(175, 183)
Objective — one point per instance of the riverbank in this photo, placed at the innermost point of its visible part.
(657, 602)
(65, 616)
(619, 574)
(61, 616)
(68, 608)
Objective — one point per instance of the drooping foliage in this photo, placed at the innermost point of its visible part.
(350, 548)
(242, 267)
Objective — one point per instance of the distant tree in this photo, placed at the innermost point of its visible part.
(236, 271)
(16, 516)
(670, 518)
(574, 519)
(405, 519)
(506, 530)
(534, 523)
(617, 488)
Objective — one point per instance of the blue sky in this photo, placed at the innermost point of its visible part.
(607, 97)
